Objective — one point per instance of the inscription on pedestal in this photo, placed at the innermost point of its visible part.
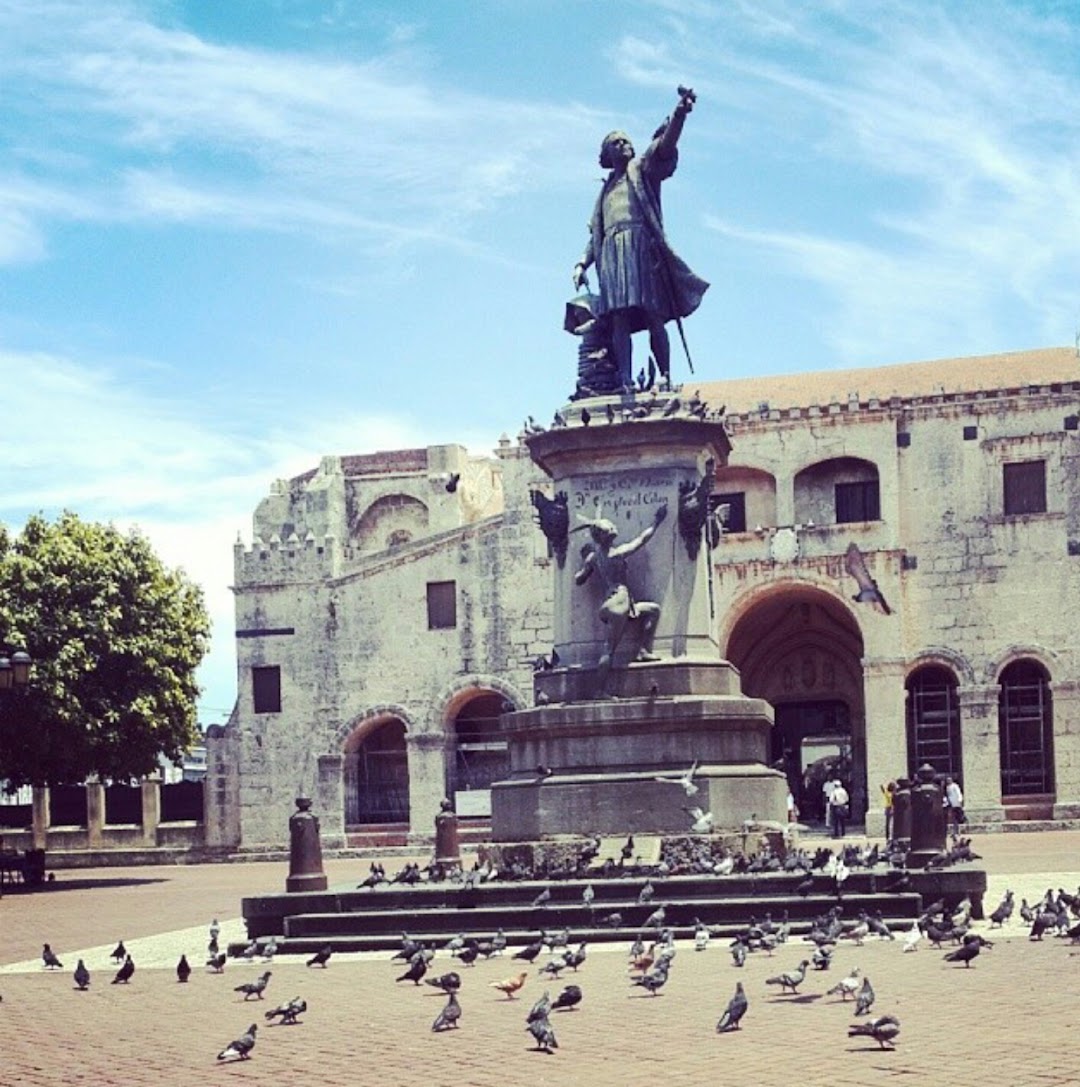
(614, 495)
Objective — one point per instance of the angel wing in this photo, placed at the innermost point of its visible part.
(868, 593)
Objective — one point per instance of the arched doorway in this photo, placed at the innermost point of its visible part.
(376, 770)
(1026, 731)
(480, 755)
(932, 712)
(799, 648)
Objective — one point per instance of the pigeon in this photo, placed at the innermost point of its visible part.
(822, 957)
(215, 930)
(568, 999)
(448, 1017)
(321, 957)
(242, 1047)
(914, 935)
(541, 1009)
(612, 920)
(528, 953)
(288, 1012)
(543, 898)
(738, 953)
(183, 970)
(449, 983)
(586, 417)
(865, 999)
(541, 1030)
(847, 986)
(554, 968)
(123, 975)
(452, 482)
(684, 781)
(734, 1012)
(250, 951)
(469, 953)
(212, 947)
(409, 947)
(119, 952)
(645, 895)
(82, 976)
(702, 820)
(574, 959)
(965, 952)
(415, 973)
(869, 592)
(217, 962)
(270, 949)
(50, 961)
(790, 979)
(656, 918)
(883, 1030)
(254, 988)
(510, 985)
(653, 981)
(588, 895)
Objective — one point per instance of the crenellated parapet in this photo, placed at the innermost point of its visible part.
(276, 561)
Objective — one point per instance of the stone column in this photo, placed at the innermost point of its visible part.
(1066, 703)
(886, 733)
(305, 851)
(95, 814)
(221, 788)
(981, 753)
(151, 809)
(330, 800)
(427, 754)
(40, 817)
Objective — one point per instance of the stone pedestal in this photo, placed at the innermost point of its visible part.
(150, 790)
(928, 831)
(587, 758)
(305, 851)
(447, 849)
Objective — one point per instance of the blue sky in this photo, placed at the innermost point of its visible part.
(238, 234)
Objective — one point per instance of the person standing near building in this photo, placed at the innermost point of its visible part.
(887, 792)
(838, 805)
(954, 806)
(826, 792)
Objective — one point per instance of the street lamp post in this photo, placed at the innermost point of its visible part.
(15, 670)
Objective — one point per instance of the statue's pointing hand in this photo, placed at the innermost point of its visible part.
(580, 277)
(660, 514)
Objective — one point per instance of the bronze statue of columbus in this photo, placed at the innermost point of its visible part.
(642, 282)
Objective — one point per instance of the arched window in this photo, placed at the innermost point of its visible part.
(1026, 730)
(933, 721)
(377, 776)
(480, 756)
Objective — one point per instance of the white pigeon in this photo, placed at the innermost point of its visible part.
(703, 820)
(847, 986)
(842, 872)
(686, 780)
(914, 935)
(701, 939)
(725, 866)
(588, 895)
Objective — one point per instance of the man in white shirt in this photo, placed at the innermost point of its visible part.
(954, 806)
(838, 802)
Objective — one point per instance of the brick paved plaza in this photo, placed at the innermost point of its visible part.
(1011, 1020)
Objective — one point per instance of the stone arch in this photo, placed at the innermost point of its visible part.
(932, 716)
(941, 655)
(1046, 657)
(389, 521)
(369, 719)
(799, 646)
(1026, 730)
(817, 495)
(461, 690)
(375, 767)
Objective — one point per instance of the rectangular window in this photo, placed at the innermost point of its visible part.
(441, 605)
(1025, 487)
(857, 502)
(266, 689)
(736, 504)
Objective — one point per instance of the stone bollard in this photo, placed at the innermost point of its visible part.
(447, 849)
(927, 818)
(305, 851)
(901, 819)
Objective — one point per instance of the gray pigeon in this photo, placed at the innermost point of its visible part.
(49, 960)
(449, 1016)
(543, 898)
(865, 999)
(541, 1030)
(883, 1030)
(790, 979)
(568, 999)
(240, 1048)
(123, 975)
(656, 918)
(254, 988)
(734, 1012)
(82, 976)
(288, 1012)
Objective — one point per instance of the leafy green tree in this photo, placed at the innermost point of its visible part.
(115, 636)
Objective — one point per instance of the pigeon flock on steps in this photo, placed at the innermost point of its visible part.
(838, 932)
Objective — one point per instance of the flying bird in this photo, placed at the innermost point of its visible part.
(883, 1030)
(685, 781)
(288, 1012)
(702, 821)
(790, 979)
(240, 1048)
(452, 482)
(123, 975)
(183, 970)
(868, 593)
(568, 999)
(448, 1017)
(734, 1012)
(510, 985)
(82, 976)
(254, 988)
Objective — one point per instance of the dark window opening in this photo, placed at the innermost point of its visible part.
(857, 502)
(736, 504)
(933, 722)
(266, 689)
(441, 605)
(1026, 730)
(1025, 487)
(377, 778)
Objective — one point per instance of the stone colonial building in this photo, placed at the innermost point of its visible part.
(391, 606)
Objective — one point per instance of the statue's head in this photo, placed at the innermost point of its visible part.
(616, 149)
(603, 531)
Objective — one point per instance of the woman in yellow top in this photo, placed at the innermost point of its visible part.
(887, 792)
